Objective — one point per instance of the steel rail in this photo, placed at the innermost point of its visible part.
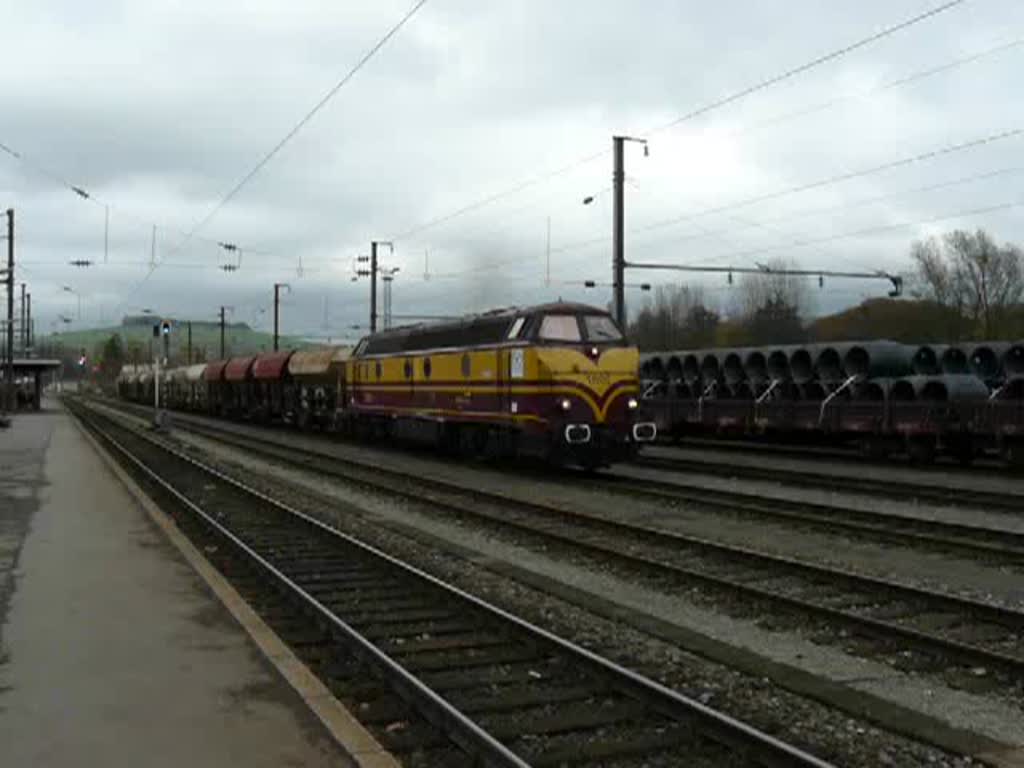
(768, 750)
(879, 629)
(462, 729)
(888, 489)
(900, 529)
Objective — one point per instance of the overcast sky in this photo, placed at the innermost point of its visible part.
(158, 108)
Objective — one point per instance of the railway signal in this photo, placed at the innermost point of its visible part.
(160, 330)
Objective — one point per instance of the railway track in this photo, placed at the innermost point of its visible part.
(867, 484)
(969, 641)
(976, 542)
(483, 687)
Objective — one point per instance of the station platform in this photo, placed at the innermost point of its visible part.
(113, 652)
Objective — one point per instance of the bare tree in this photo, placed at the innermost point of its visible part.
(978, 281)
(772, 306)
(676, 318)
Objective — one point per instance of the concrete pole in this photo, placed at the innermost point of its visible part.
(222, 333)
(277, 314)
(28, 323)
(373, 287)
(189, 342)
(24, 341)
(618, 232)
(10, 309)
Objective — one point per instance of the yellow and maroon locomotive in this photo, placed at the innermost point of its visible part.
(556, 380)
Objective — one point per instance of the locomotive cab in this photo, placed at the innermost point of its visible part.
(591, 372)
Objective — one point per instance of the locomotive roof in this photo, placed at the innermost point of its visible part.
(503, 312)
(469, 331)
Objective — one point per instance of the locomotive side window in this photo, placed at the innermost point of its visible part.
(467, 366)
(601, 328)
(517, 326)
(560, 328)
(378, 370)
(426, 367)
(408, 369)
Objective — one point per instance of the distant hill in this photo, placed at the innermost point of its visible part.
(137, 334)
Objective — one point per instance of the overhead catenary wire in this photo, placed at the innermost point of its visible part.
(902, 80)
(540, 178)
(899, 82)
(304, 120)
(269, 155)
(643, 245)
(812, 64)
(83, 193)
(842, 177)
(840, 207)
(806, 242)
(878, 229)
(809, 186)
(484, 267)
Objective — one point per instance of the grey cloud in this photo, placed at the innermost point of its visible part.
(160, 108)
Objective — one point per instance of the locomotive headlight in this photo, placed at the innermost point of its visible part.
(632, 403)
(565, 404)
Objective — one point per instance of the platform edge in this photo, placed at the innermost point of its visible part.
(348, 733)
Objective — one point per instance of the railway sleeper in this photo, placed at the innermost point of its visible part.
(504, 655)
(469, 640)
(452, 626)
(554, 717)
(526, 672)
(398, 613)
(635, 740)
(512, 698)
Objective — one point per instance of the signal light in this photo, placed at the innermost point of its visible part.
(165, 327)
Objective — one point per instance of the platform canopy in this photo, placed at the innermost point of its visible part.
(33, 364)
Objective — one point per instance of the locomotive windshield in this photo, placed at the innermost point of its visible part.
(578, 328)
(560, 328)
(601, 328)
